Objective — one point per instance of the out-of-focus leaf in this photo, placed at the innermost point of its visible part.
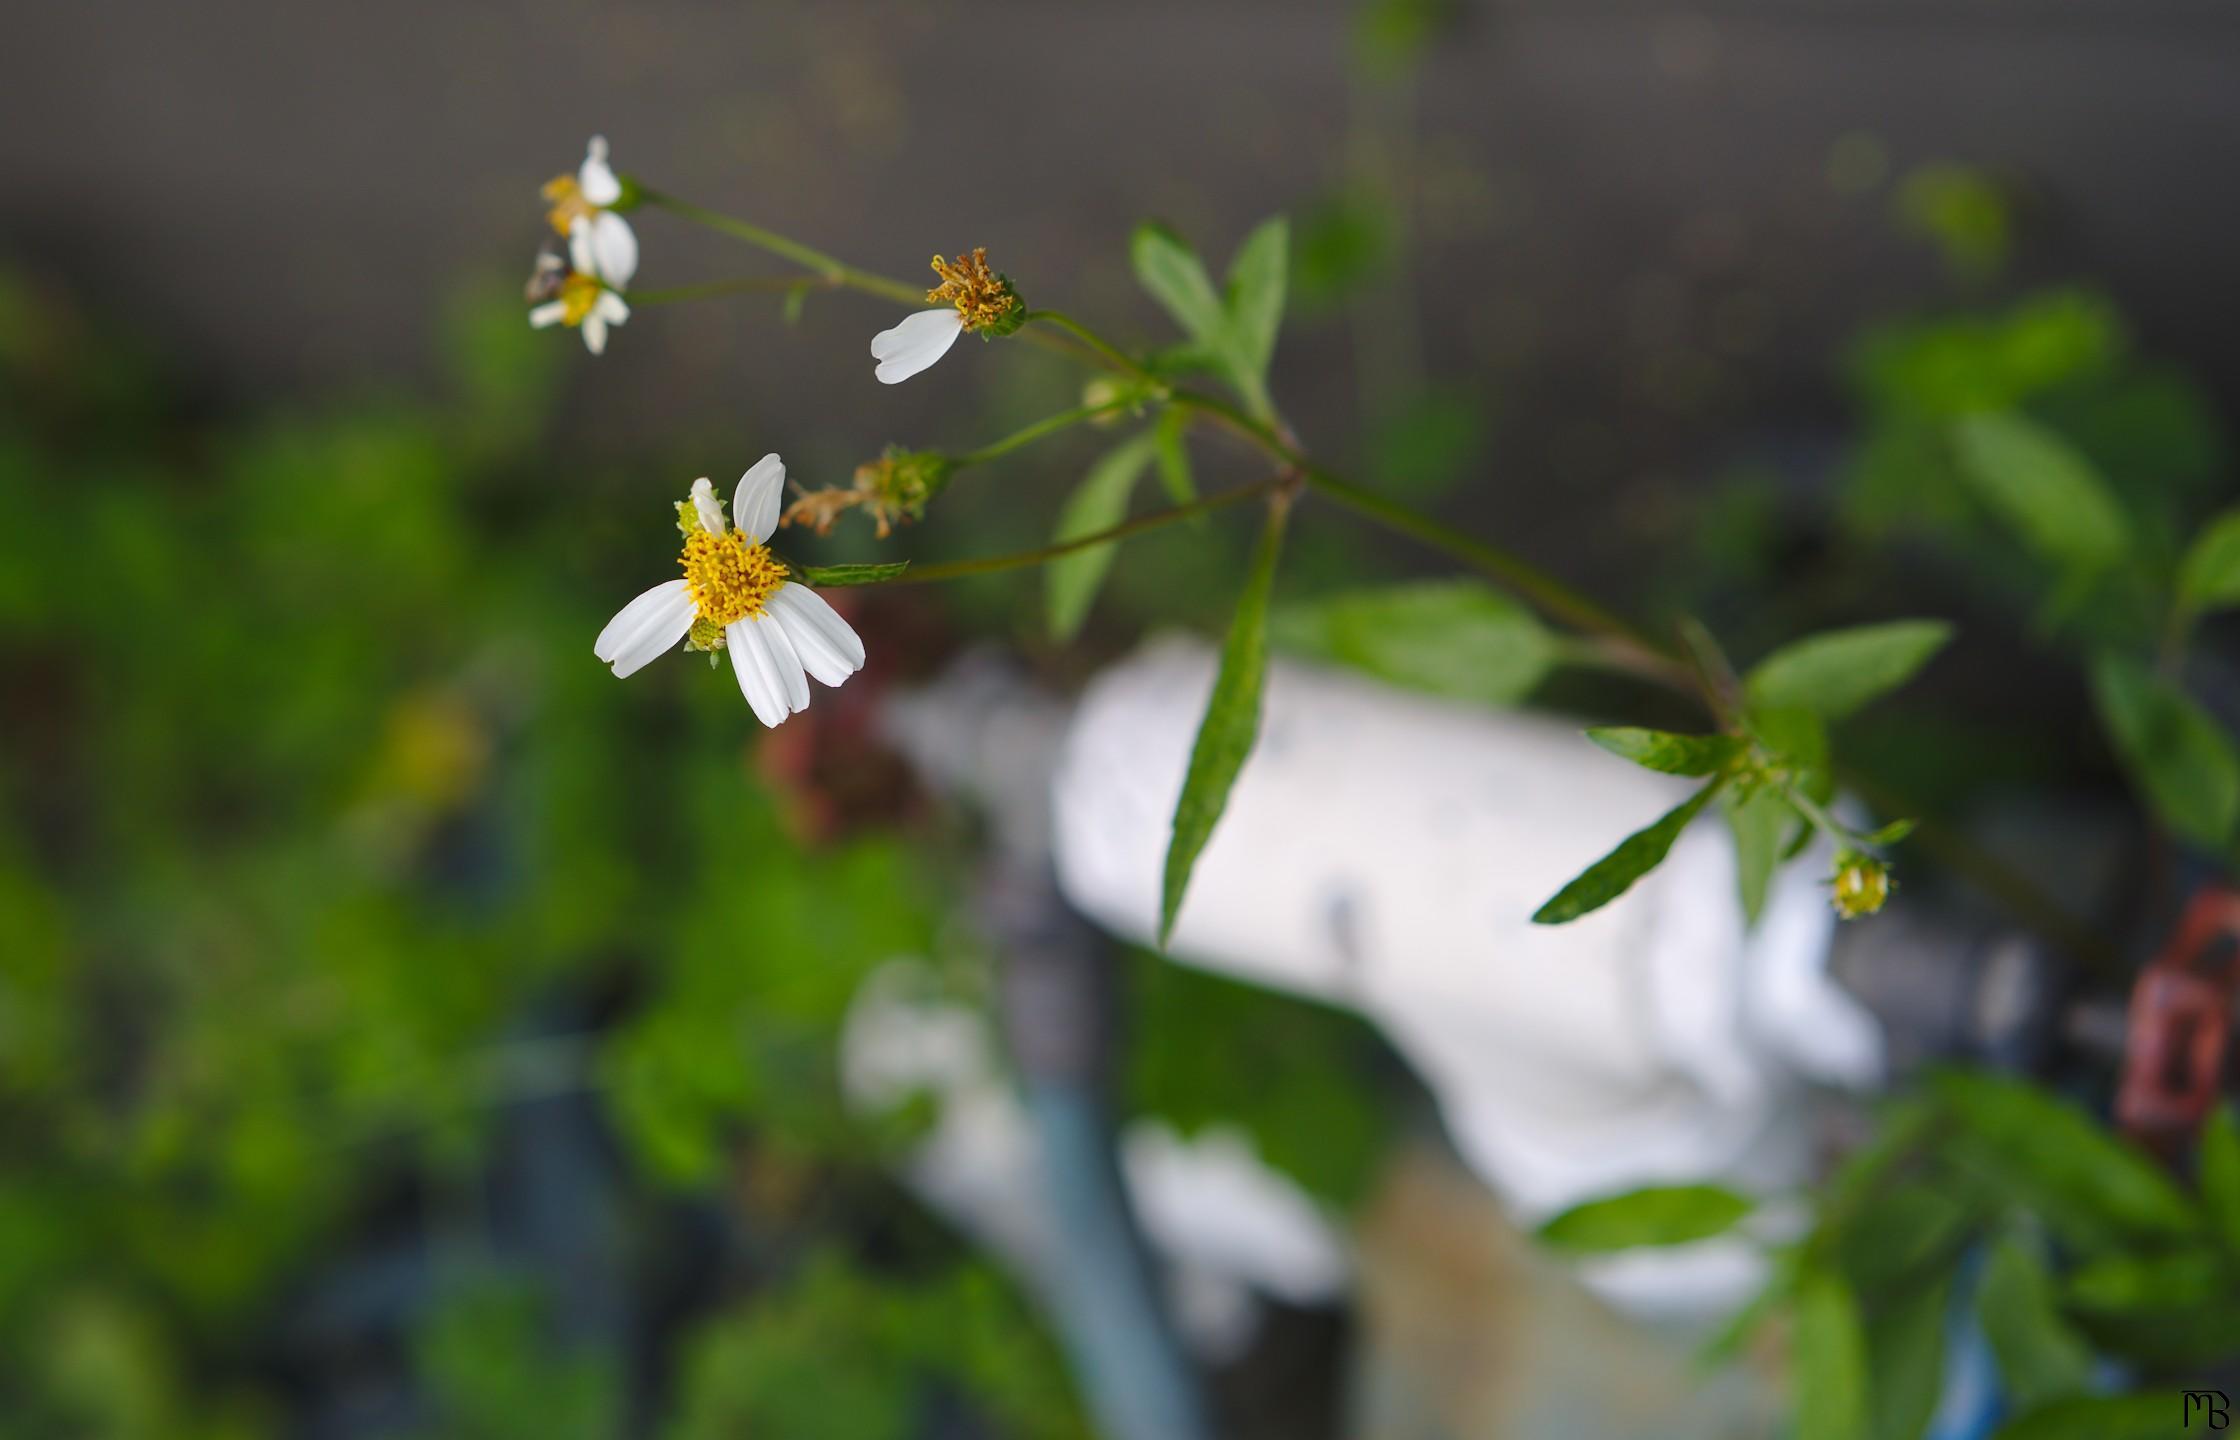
(1456, 638)
(1909, 1224)
(827, 577)
(1098, 503)
(2117, 1284)
(1173, 451)
(1257, 275)
(1798, 737)
(1759, 819)
(2087, 1185)
(2040, 1357)
(2180, 757)
(1611, 876)
(1830, 1361)
(1665, 750)
(2043, 489)
(1905, 1361)
(1231, 725)
(2100, 1417)
(1170, 270)
(1654, 1215)
(1835, 673)
(2209, 577)
(2220, 1175)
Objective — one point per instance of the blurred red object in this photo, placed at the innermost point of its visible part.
(2180, 1025)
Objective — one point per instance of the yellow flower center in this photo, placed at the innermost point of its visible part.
(578, 293)
(981, 296)
(565, 197)
(730, 579)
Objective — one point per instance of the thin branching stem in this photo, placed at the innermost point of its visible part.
(1142, 524)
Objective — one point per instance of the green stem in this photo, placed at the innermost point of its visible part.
(1049, 425)
(1158, 519)
(1111, 354)
(835, 272)
(710, 289)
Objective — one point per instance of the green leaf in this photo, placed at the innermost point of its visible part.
(1231, 724)
(2091, 1188)
(1891, 833)
(2043, 489)
(2102, 1417)
(1905, 1362)
(2121, 1284)
(1455, 638)
(1759, 820)
(1835, 673)
(2177, 755)
(1611, 876)
(1831, 1361)
(1799, 739)
(1098, 503)
(1666, 751)
(1655, 1215)
(2220, 1175)
(1256, 285)
(828, 577)
(1174, 455)
(1171, 271)
(2209, 577)
(2040, 1357)
(1911, 1226)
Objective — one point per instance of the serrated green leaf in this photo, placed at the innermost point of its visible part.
(1231, 725)
(1611, 876)
(1170, 436)
(1257, 276)
(2209, 576)
(2091, 1188)
(1835, 673)
(1759, 820)
(1905, 1361)
(1831, 1361)
(1171, 272)
(1455, 638)
(1653, 1215)
(1098, 503)
(2043, 489)
(2177, 755)
(2040, 1357)
(830, 577)
(2220, 1175)
(2101, 1417)
(1667, 751)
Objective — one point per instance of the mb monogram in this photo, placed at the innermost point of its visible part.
(2208, 1405)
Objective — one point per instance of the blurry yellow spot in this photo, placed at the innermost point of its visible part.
(729, 578)
(565, 197)
(1861, 884)
(578, 293)
(435, 751)
(981, 296)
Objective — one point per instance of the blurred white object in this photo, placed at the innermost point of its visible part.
(1227, 1224)
(1386, 852)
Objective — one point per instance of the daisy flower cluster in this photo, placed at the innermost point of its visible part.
(584, 290)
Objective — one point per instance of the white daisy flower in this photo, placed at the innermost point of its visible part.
(586, 196)
(585, 297)
(735, 596)
(971, 297)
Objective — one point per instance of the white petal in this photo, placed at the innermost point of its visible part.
(916, 343)
(646, 627)
(595, 332)
(596, 177)
(610, 308)
(614, 247)
(583, 257)
(552, 312)
(704, 503)
(758, 672)
(828, 648)
(787, 659)
(754, 505)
